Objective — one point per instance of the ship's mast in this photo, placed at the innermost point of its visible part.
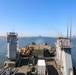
(70, 29)
(67, 29)
(63, 50)
(13, 30)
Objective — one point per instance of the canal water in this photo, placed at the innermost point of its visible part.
(39, 40)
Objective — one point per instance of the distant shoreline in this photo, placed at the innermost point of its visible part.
(4, 37)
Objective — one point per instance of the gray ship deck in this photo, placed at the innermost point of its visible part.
(22, 67)
(51, 66)
(52, 69)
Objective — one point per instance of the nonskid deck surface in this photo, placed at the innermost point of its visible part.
(52, 69)
(22, 68)
(23, 65)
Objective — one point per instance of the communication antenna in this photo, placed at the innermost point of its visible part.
(13, 30)
(70, 29)
(67, 29)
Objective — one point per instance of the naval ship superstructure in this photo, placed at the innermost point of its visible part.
(63, 56)
(38, 59)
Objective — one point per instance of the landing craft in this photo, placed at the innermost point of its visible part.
(61, 63)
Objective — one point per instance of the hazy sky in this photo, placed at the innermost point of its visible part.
(37, 17)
